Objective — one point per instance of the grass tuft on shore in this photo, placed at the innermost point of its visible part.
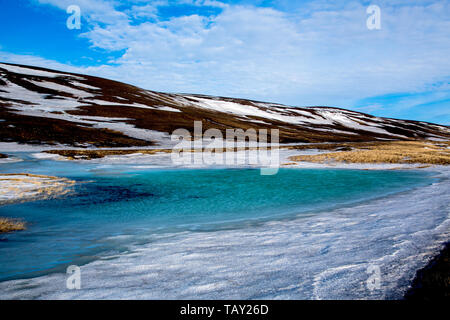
(407, 152)
(9, 225)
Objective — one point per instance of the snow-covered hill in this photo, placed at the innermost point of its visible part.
(41, 106)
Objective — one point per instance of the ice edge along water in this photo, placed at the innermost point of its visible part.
(323, 257)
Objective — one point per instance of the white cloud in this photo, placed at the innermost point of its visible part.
(318, 54)
(39, 62)
(95, 11)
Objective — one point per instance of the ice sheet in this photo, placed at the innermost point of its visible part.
(325, 256)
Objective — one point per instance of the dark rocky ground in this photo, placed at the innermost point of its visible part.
(432, 283)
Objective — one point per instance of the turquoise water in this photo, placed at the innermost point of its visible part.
(109, 209)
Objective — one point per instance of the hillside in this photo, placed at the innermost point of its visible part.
(41, 106)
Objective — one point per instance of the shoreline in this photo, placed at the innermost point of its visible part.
(23, 187)
(434, 168)
(375, 155)
(394, 281)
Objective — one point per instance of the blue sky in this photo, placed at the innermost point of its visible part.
(294, 52)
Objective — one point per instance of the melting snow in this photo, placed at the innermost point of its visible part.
(34, 72)
(59, 87)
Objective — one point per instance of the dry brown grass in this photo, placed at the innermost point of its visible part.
(98, 153)
(95, 154)
(426, 152)
(20, 187)
(9, 225)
